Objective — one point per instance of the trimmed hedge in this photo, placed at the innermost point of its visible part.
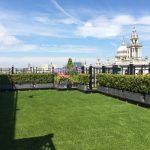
(43, 78)
(61, 78)
(26, 78)
(22, 78)
(74, 79)
(138, 84)
(83, 79)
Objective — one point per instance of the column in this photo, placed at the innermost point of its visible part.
(133, 52)
(129, 53)
(138, 52)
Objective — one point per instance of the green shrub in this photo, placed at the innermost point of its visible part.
(83, 79)
(61, 78)
(43, 78)
(140, 83)
(26, 78)
(74, 79)
(22, 78)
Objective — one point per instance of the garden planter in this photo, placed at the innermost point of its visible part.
(24, 86)
(110, 91)
(43, 85)
(82, 87)
(6, 87)
(147, 99)
(102, 89)
(74, 86)
(62, 85)
(138, 97)
(115, 92)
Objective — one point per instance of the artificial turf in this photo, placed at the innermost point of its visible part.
(77, 121)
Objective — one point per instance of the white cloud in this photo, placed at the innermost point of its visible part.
(105, 27)
(145, 20)
(11, 43)
(79, 49)
(123, 20)
(23, 61)
(71, 19)
(21, 46)
(6, 39)
(100, 27)
(38, 61)
(144, 32)
(67, 21)
(8, 15)
(61, 9)
(42, 19)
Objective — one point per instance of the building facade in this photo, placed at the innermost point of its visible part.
(130, 53)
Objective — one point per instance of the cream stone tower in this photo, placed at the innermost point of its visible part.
(134, 47)
(130, 53)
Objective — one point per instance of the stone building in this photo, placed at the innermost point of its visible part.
(130, 53)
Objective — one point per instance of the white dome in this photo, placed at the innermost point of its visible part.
(122, 50)
(123, 47)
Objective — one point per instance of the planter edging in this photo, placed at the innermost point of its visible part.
(82, 87)
(137, 97)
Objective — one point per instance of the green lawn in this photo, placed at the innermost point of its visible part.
(78, 121)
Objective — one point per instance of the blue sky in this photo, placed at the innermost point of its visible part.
(44, 31)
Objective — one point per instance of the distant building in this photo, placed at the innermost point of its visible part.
(98, 63)
(77, 64)
(41, 69)
(130, 53)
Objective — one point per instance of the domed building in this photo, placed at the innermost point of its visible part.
(121, 53)
(98, 63)
(130, 53)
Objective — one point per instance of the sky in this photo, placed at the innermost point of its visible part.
(39, 32)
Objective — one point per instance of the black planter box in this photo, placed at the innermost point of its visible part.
(43, 86)
(74, 86)
(147, 99)
(102, 89)
(63, 85)
(137, 97)
(24, 86)
(82, 87)
(111, 91)
(116, 92)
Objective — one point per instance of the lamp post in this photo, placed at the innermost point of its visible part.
(90, 77)
(12, 69)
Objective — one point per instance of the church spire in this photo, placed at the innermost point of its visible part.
(123, 42)
(134, 33)
(134, 47)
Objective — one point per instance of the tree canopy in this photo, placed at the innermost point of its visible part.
(69, 64)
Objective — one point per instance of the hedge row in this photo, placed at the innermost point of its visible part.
(74, 79)
(83, 79)
(139, 84)
(42, 78)
(26, 78)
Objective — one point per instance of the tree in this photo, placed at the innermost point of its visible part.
(69, 64)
